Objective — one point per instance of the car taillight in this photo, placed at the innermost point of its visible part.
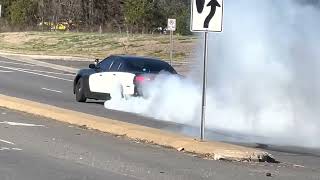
(139, 79)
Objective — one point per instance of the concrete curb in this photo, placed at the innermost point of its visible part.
(42, 56)
(213, 150)
(30, 60)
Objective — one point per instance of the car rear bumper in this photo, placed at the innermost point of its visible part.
(138, 92)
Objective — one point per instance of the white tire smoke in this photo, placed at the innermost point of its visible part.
(264, 76)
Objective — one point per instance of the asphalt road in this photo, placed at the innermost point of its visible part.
(33, 148)
(54, 87)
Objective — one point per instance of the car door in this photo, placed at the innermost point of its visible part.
(104, 80)
(124, 78)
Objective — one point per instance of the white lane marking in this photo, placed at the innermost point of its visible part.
(47, 72)
(20, 124)
(4, 71)
(25, 64)
(44, 75)
(8, 149)
(52, 90)
(8, 142)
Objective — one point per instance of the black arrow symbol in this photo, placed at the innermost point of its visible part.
(214, 4)
(200, 5)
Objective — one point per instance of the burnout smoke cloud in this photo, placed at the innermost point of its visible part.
(264, 76)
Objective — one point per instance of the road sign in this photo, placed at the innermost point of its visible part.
(206, 15)
(172, 24)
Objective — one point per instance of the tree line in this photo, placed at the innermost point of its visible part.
(132, 16)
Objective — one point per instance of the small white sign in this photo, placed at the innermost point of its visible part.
(206, 15)
(172, 24)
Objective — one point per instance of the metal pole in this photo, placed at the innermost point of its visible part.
(171, 47)
(204, 86)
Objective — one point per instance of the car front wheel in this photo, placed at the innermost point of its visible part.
(80, 97)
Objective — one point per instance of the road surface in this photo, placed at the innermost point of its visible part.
(54, 87)
(49, 86)
(34, 148)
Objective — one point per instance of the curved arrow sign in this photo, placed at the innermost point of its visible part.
(206, 15)
(213, 4)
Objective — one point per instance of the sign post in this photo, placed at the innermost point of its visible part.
(206, 16)
(171, 27)
(0, 10)
(171, 47)
(204, 85)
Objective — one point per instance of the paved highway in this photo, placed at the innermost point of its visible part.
(54, 87)
(33, 148)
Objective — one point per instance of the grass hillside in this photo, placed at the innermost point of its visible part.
(94, 45)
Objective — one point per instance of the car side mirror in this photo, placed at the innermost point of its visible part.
(92, 66)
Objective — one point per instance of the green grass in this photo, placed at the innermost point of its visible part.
(94, 44)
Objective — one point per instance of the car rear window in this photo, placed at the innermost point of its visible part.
(148, 66)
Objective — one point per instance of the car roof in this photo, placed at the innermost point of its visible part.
(134, 58)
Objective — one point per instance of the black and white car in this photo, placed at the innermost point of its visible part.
(117, 73)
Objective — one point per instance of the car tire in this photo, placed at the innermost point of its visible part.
(80, 97)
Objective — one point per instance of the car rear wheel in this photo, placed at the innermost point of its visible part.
(80, 97)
